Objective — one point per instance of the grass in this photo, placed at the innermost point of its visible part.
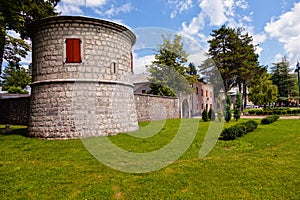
(263, 164)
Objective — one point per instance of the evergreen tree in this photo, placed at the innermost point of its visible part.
(205, 115)
(234, 55)
(168, 70)
(220, 51)
(284, 81)
(16, 15)
(211, 114)
(227, 112)
(237, 107)
(192, 71)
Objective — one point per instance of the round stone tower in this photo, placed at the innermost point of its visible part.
(81, 78)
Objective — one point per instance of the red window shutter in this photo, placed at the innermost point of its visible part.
(73, 50)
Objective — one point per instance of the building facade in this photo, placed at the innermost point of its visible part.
(202, 98)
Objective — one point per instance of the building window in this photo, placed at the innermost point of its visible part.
(114, 68)
(73, 50)
(197, 91)
(143, 91)
(206, 92)
(201, 92)
(131, 61)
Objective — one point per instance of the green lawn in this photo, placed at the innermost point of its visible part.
(264, 164)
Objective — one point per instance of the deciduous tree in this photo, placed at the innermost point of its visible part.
(169, 69)
(262, 91)
(16, 15)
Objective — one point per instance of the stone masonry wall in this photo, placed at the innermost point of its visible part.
(14, 111)
(151, 107)
(148, 107)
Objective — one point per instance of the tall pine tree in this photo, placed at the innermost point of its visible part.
(282, 78)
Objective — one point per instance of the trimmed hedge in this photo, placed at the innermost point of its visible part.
(270, 119)
(238, 130)
(274, 111)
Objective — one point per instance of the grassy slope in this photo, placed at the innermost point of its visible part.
(261, 165)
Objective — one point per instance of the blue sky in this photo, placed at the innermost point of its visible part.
(274, 24)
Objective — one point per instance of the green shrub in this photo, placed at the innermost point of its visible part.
(211, 115)
(270, 119)
(205, 115)
(238, 130)
(241, 129)
(229, 133)
(251, 125)
(227, 112)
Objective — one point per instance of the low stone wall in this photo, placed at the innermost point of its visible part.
(14, 110)
(152, 107)
(148, 107)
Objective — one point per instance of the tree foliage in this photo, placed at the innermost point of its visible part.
(16, 15)
(205, 115)
(233, 52)
(15, 78)
(168, 70)
(237, 107)
(227, 112)
(262, 91)
(211, 114)
(282, 78)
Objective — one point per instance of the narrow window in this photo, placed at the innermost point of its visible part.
(131, 61)
(114, 67)
(201, 92)
(197, 90)
(206, 93)
(143, 91)
(73, 50)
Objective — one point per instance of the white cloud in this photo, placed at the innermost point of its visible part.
(195, 26)
(139, 63)
(286, 29)
(218, 12)
(113, 10)
(180, 6)
(75, 7)
(215, 10)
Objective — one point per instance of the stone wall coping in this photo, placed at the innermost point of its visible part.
(54, 20)
(152, 95)
(81, 81)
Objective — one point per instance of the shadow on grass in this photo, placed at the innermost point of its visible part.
(15, 131)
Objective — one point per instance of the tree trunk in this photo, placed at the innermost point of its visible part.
(244, 96)
(2, 45)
